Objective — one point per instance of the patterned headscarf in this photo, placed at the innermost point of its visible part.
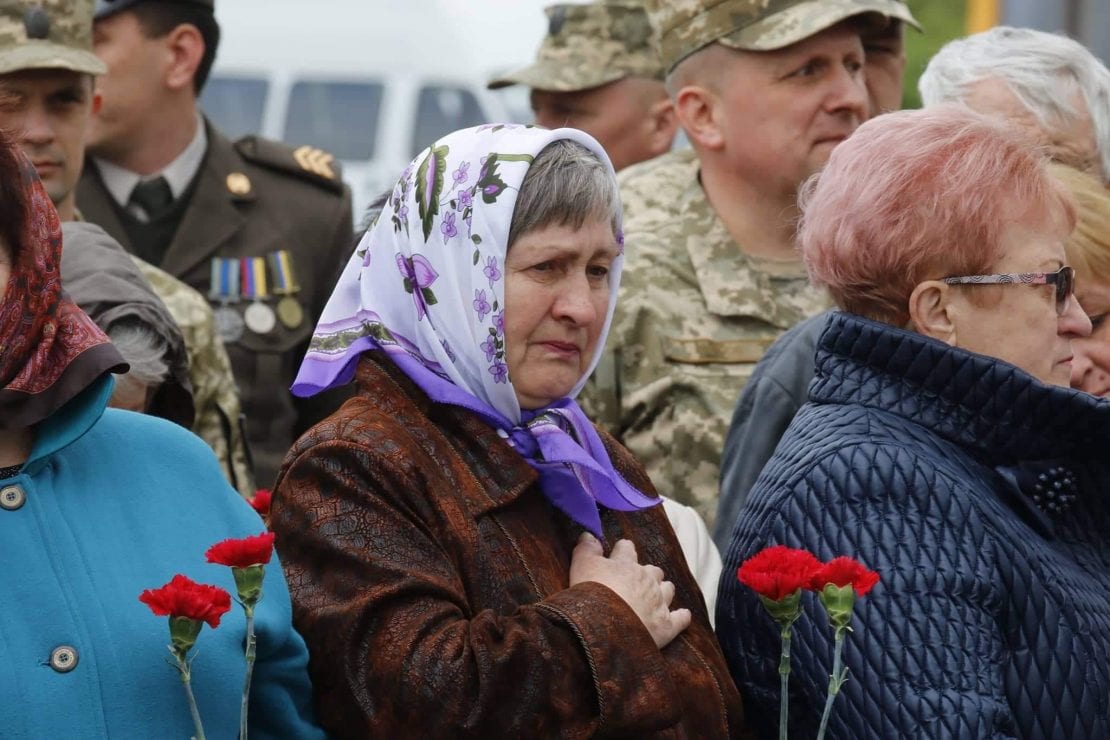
(426, 284)
(50, 350)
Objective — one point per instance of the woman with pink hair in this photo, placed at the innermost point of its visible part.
(943, 447)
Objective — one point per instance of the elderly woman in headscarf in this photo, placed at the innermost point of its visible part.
(943, 448)
(97, 505)
(467, 553)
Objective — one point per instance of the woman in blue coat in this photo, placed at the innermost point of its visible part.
(97, 505)
(943, 448)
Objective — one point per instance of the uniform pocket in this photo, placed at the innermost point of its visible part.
(702, 351)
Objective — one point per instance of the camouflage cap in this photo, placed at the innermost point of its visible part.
(47, 34)
(685, 26)
(590, 45)
(105, 8)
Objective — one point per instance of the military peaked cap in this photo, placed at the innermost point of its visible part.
(105, 8)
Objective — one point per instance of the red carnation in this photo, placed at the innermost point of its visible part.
(183, 597)
(260, 502)
(845, 571)
(243, 553)
(778, 571)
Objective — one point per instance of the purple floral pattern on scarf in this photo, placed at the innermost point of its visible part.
(481, 305)
(500, 372)
(490, 271)
(459, 175)
(489, 347)
(447, 226)
(418, 276)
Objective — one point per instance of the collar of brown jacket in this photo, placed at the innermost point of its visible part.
(501, 475)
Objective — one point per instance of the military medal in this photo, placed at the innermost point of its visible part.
(289, 309)
(223, 287)
(259, 317)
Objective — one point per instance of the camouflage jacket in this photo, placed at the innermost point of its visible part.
(215, 394)
(695, 314)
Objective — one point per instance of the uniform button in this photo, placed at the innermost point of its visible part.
(12, 497)
(63, 658)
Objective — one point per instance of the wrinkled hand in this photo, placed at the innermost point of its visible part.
(642, 587)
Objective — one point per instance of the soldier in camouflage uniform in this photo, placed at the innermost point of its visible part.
(598, 70)
(260, 228)
(46, 77)
(764, 89)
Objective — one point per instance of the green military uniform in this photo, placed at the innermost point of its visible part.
(250, 199)
(588, 46)
(215, 394)
(695, 312)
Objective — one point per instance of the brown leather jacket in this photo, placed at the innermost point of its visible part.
(429, 577)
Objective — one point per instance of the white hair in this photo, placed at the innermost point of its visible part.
(143, 349)
(1032, 64)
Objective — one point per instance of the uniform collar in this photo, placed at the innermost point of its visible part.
(732, 282)
(120, 181)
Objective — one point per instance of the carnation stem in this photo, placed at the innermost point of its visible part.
(836, 680)
(250, 655)
(184, 670)
(784, 681)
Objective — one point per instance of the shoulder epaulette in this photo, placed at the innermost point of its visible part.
(306, 162)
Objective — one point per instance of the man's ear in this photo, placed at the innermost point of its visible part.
(185, 48)
(97, 101)
(698, 111)
(664, 126)
(932, 312)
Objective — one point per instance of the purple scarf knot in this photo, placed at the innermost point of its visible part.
(558, 441)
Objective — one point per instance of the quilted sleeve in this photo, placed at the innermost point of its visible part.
(396, 647)
(925, 654)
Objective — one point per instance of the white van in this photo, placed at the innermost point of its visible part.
(373, 82)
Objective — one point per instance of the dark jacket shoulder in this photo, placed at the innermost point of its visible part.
(307, 163)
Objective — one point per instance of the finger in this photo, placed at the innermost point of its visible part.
(588, 544)
(666, 588)
(624, 550)
(680, 620)
(655, 572)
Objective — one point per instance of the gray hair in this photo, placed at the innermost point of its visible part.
(143, 349)
(566, 185)
(1032, 64)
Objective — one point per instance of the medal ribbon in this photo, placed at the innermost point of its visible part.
(224, 281)
(254, 277)
(281, 264)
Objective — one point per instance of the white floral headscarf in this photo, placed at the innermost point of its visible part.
(426, 284)
(430, 273)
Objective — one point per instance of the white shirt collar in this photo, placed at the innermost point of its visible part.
(178, 173)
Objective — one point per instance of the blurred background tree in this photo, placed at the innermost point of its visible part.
(943, 20)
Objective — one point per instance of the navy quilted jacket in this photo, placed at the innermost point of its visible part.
(992, 618)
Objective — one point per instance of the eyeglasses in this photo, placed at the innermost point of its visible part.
(1063, 279)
